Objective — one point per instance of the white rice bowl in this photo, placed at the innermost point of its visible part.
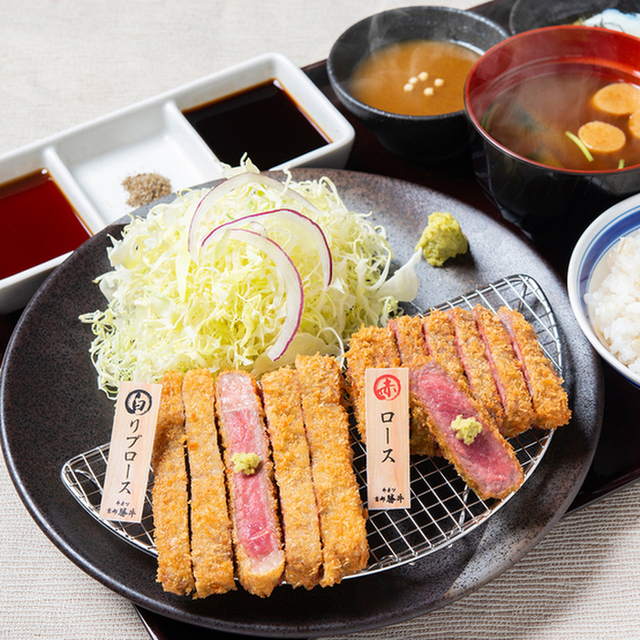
(614, 306)
(603, 282)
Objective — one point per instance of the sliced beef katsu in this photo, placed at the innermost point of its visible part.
(369, 348)
(292, 463)
(550, 402)
(211, 547)
(472, 353)
(440, 340)
(413, 353)
(488, 463)
(506, 371)
(170, 491)
(407, 331)
(342, 518)
(257, 538)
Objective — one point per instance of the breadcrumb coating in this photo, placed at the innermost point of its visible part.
(342, 518)
(516, 400)
(369, 348)
(292, 463)
(413, 353)
(211, 547)
(170, 493)
(550, 401)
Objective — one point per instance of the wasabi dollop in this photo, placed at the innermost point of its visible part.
(246, 463)
(466, 429)
(442, 239)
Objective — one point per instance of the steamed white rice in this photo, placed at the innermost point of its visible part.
(615, 305)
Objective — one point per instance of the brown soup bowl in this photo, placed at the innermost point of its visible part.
(417, 138)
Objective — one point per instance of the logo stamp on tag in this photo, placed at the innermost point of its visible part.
(138, 402)
(387, 416)
(132, 437)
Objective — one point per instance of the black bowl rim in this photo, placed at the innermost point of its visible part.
(472, 118)
(434, 9)
(517, 26)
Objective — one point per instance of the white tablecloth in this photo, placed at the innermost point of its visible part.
(65, 62)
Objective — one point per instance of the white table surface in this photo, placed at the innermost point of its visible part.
(65, 62)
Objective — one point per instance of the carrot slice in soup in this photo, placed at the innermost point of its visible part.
(602, 137)
(617, 99)
(634, 124)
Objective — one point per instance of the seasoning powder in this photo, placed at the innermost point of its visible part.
(145, 188)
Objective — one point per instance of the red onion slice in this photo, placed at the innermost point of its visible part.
(290, 277)
(228, 185)
(310, 226)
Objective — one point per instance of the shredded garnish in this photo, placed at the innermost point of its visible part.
(225, 307)
(581, 145)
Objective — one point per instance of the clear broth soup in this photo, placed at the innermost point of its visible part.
(533, 117)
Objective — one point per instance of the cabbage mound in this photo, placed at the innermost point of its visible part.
(222, 306)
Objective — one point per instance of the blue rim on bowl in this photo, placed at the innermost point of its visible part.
(587, 269)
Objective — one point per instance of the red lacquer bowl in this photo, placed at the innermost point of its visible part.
(551, 205)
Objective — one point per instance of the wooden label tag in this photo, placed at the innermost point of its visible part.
(134, 428)
(387, 415)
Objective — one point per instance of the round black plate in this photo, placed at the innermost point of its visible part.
(52, 410)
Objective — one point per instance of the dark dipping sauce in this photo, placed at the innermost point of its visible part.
(37, 223)
(263, 121)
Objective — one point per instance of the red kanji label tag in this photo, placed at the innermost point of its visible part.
(387, 415)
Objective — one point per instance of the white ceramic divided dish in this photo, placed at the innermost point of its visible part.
(588, 268)
(17, 289)
(309, 98)
(89, 162)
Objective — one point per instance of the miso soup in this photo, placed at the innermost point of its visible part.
(416, 77)
(550, 119)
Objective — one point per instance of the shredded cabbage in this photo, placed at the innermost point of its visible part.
(168, 310)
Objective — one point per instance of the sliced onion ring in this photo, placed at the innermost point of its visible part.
(310, 226)
(290, 277)
(228, 185)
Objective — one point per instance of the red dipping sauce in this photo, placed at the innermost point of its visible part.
(37, 223)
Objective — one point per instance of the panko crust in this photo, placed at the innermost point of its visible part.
(211, 546)
(550, 400)
(342, 517)
(169, 493)
(292, 464)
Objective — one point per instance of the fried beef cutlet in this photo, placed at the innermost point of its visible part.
(170, 493)
(447, 353)
(369, 348)
(409, 336)
(292, 464)
(342, 518)
(488, 464)
(550, 401)
(506, 371)
(472, 353)
(257, 538)
(440, 341)
(211, 549)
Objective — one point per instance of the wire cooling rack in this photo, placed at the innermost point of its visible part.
(443, 508)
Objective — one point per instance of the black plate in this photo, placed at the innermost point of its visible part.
(51, 410)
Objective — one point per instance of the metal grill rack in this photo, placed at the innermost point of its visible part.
(443, 508)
